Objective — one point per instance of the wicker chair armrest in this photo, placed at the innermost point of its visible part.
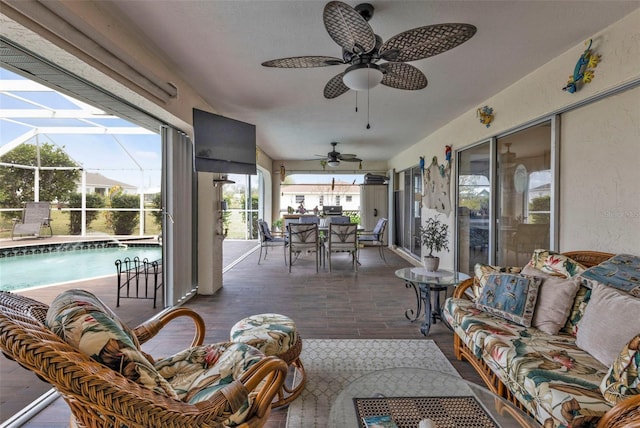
(149, 329)
(459, 291)
(271, 370)
(625, 414)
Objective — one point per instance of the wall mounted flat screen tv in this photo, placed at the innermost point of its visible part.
(223, 145)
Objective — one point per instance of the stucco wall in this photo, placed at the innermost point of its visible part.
(612, 128)
(600, 172)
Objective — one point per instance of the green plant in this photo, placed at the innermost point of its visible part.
(435, 235)
(122, 222)
(93, 200)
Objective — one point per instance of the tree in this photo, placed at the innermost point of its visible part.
(17, 185)
(541, 203)
(75, 201)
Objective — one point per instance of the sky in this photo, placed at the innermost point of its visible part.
(120, 157)
(132, 159)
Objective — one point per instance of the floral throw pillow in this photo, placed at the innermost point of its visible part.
(85, 323)
(510, 296)
(482, 272)
(555, 263)
(622, 271)
(623, 379)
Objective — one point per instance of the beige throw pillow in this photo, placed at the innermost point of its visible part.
(610, 321)
(555, 300)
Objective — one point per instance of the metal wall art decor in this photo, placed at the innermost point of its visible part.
(583, 71)
(486, 115)
(436, 184)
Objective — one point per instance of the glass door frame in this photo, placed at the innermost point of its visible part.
(554, 121)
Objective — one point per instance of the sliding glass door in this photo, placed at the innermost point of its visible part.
(506, 197)
(474, 202)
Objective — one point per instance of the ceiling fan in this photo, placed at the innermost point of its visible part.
(363, 49)
(334, 157)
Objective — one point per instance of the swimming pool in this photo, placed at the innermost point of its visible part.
(59, 264)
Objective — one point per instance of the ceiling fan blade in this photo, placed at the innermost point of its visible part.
(347, 155)
(354, 159)
(425, 42)
(335, 87)
(303, 62)
(348, 28)
(403, 76)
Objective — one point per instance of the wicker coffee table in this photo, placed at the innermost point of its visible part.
(409, 395)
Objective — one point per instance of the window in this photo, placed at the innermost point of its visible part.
(321, 199)
(337, 199)
(348, 198)
(299, 199)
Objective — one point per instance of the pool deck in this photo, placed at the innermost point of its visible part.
(20, 387)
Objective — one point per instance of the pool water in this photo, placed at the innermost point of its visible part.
(36, 270)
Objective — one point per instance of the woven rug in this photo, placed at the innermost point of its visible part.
(331, 364)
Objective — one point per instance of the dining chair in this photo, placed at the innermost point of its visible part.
(339, 219)
(268, 240)
(374, 238)
(309, 219)
(303, 237)
(343, 238)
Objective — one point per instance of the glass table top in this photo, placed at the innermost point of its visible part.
(440, 277)
(416, 382)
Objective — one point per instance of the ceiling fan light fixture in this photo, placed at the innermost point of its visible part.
(333, 162)
(361, 77)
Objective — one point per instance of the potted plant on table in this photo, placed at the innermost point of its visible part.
(435, 236)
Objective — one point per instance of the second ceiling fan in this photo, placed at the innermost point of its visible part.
(334, 157)
(362, 49)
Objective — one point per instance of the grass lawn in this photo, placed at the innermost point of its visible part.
(60, 225)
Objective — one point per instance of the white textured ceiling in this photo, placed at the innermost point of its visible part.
(218, 47)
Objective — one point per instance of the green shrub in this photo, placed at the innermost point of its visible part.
(75, 201)
(123, 222)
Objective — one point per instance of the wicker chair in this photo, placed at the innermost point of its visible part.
(101, 397)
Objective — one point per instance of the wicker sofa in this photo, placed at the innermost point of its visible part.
(80, 347)
(549, 375)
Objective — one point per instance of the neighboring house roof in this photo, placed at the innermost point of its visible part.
(98, 180)
(320, 188)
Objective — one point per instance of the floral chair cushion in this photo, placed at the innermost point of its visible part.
(272, 334)
(196, 374)
(623, 378)
(87, 324)
(510, 296)
(555, 380)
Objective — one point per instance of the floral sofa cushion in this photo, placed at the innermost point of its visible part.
(199, 372)
(623, 378)
(87, 324)
(550, 375)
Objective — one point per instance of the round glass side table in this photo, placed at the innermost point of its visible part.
(423, 283)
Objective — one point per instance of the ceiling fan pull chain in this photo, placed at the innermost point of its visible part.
(356, 100)
(368, 103)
